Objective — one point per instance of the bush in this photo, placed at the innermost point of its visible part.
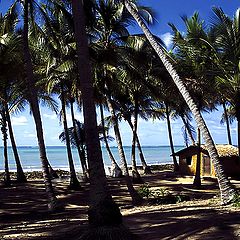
(160, 195)
(236, 200)
(144, 191)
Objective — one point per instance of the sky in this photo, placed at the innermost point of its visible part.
(151, 133)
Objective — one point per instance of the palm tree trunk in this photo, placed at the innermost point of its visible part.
(188, 130)
(115, 169)
(226, 189)
(135, 174)
(80, 151)
(238, 129)
(146, 168)
(21, 178)
(52, 200)
(197, 178)
(136, 199)
(7, 181)
(176, 166)
(227, 123)
(103, 210)
(237, 108)
(74, 183)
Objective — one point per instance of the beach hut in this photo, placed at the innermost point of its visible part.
(228, 155)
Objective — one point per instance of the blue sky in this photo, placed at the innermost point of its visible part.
(151, 133)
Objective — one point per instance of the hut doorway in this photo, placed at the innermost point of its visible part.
(206, 165)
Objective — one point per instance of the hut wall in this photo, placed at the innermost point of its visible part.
(185, 168)
(191, 169)
(188, 162)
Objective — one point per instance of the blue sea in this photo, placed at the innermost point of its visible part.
(57, 156)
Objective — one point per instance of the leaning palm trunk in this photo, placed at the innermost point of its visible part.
(103, 211)
(227, 123)
(146, 168)
(197, 178)
(237, 110)
(226, 189)
(20, 174)
(80, 151)
(136, 199)
(7, 180)
(115, 169)
(74, 183)
(135, 174)
(176, 166)
(52, 200)
(238, 130)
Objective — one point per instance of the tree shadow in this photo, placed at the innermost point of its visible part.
(24, 214)
(181, 224)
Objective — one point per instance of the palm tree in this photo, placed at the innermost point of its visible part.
(227, 191)
(115, 169)
(76, 140)
(226, 32)
(112, 32)
(136, 199)
(176, 166)
(74, 183)
(197, 178)
(11, 59)
(3, 123)
(226, 119)
(33, 100)
(103, 211)
(20, 174)
(79, 145)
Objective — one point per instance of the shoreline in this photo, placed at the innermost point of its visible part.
(63, 173)
(65, 168)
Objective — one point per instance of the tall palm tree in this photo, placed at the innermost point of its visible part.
(11, 59)
(115, 169)
(103, 211)
(33, 100)
(136, 199)
(176, 166)
(226, 119)
(3, 122)
(74, 183)
(20, 174)
(197, 178)
(226, 190)
(112, 31)
(227, 32)
(79, 145)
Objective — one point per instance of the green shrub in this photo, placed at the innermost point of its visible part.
(236, 200)
(160, 192)
(144, 191)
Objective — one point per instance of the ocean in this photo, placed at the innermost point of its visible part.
(57, 156)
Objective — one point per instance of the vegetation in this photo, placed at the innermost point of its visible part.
(160, 195)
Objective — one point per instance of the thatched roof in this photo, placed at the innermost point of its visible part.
(224, 150)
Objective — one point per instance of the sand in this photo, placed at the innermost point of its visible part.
(23, 212)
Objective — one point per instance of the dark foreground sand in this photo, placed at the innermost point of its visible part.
(23, 211)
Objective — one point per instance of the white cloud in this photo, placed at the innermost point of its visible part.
(31, 135)
(50, 116)
(19, 121)
(167, 39)
(56, 137)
